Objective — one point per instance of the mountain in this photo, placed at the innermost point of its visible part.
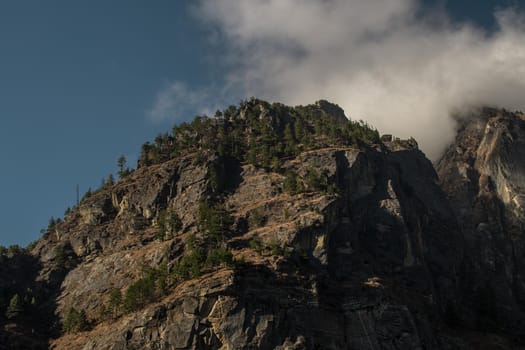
(276, 227)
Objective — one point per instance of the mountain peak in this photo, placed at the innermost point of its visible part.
(331, 109)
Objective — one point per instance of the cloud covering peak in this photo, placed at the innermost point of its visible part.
(380, 60)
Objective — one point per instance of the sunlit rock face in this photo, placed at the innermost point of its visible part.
(369, 266)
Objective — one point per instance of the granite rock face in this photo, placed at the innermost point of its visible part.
(370, 268)
(374, 252)
(483, 173)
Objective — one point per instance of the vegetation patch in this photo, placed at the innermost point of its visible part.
(244, 134)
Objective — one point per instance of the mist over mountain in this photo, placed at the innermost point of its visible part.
(402, 69)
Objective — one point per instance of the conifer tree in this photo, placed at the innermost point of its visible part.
(289, 140)
(74, 321)
(15, 307)
(123, 170)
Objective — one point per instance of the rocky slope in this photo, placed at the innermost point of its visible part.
(324, 237)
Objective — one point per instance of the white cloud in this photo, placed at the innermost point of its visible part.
(177, 102)
(377, 59)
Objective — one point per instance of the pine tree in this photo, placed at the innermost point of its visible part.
(252, 154)
(123, 171)
(110, 181)
(289, 140)
(74, 321)
(299, 130)
(290, 182)
(115, 302)
(51, 224)
(15, 307)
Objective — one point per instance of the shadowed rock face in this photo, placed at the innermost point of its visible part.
(483, 173)
(369, 255)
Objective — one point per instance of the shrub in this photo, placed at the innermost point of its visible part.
(256, 219)
(256, 245)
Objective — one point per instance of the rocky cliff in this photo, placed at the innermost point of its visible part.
(272, 227)
(483, 174)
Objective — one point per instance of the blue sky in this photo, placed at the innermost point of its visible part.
(82, 82)
(76, 81)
